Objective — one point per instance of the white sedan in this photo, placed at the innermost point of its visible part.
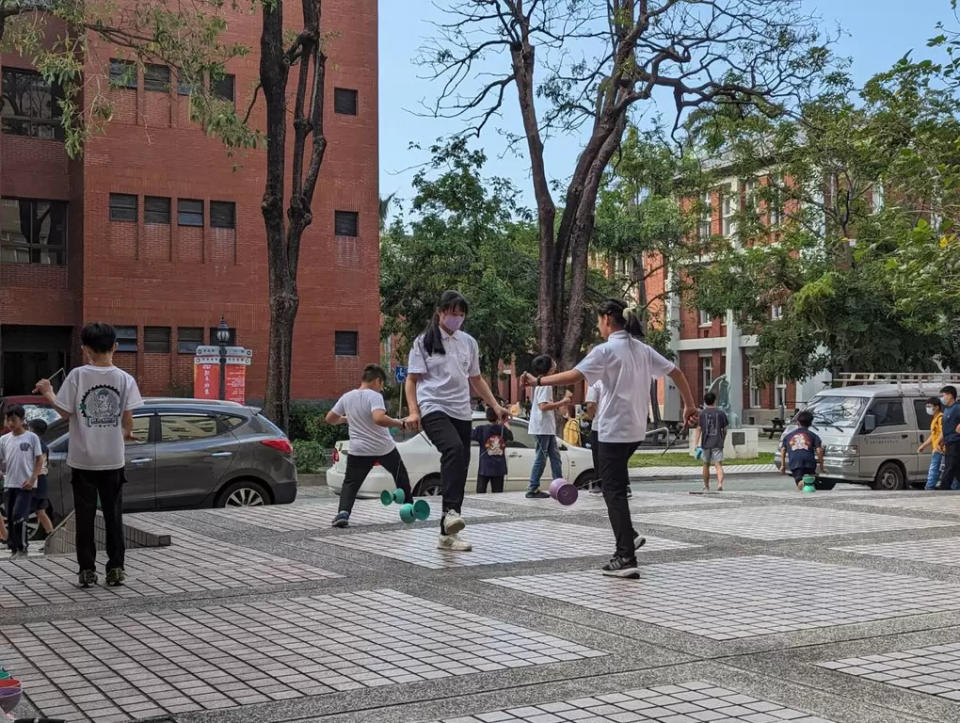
(422, 461)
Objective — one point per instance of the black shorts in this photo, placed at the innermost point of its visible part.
(800, 473)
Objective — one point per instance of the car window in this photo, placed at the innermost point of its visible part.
(889, 412)
(186, 427)
(229, 422)
(41, 411)
(923, 419)
(141, 429)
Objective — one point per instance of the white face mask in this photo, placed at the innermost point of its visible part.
(929, 411)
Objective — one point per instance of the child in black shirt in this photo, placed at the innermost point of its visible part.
(493, 440)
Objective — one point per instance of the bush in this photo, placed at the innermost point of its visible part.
(307, 424)
(309, 456)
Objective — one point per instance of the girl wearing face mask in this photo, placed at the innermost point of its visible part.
(934, 441)
(443, 369)
(625, 367)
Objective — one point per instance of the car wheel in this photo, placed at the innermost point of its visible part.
(243, 493)
(586, 479)
(890, 477)
(429, 486)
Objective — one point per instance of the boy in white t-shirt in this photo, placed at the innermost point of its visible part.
(543, 426)
(22, 460)
(98, 399)
(364, 411)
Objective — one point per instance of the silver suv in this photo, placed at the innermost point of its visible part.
(191, 453)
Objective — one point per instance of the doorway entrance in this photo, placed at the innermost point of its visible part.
(31, 353)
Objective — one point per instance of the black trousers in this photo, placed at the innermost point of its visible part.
(614, 457)
(358, 467)
(18, 503)
(496, 483)
(87, 485)
(951, 466)
(452, 438)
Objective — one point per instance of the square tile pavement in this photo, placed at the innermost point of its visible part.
(742, 597)
(783, 522)
(594, 503)
(193, 563)
(947, 503)
(934, 670)
(494, 543)
(682, 703)
(147, 664)
(943, 551)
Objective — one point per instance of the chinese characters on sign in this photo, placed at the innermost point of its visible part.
(206, 373)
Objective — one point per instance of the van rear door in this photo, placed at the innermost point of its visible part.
(895, 437)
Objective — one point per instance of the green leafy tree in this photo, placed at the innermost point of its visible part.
(469, 235)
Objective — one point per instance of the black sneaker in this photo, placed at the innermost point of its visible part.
(536, 494)
(618, 567)
(116, 576)
(88, 578)
(342, 519)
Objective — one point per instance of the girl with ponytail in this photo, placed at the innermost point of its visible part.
(443, 369)
(624, 366)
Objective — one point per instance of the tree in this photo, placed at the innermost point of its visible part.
(600, 59)
(866, 189)
(469, 235)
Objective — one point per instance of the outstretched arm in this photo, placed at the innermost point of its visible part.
(382, 419)
(480, 387)
(334, 418)
(690, 413)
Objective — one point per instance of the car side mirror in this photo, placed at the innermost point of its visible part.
(869, 423)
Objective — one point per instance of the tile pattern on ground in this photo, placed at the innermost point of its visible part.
(494, 543)
(594, 502)
(783, 522)
(668, 471)
(193, 563)
(682, 703)
(947, 503)
(742, 597)
(941, 551)
(319, 514)
(934, 670)
(154, 663)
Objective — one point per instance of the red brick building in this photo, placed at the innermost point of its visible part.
(157, 231)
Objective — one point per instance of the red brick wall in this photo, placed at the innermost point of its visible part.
(135, 275)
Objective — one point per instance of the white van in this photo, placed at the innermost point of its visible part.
(871, 432)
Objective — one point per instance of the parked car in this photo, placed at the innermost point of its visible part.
(422, 461)
(36, 407)
(871, 433)
(191, 453)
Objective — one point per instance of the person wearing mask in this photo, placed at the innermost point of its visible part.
(443, 370)
(951, 439)
(626, 366)
(934, 442)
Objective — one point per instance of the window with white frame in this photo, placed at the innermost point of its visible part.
(706, 373)
(730, 205)
(776, 312)
(756, 401)
(780, 393)
(775, 201)
(705, 318)
(706, 224)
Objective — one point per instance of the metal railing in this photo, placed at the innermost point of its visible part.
(848, 379)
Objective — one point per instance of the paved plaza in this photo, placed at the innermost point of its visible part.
(755, 606)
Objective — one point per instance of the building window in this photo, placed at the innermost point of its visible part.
(775, 202)
(126, 338)
(189, 212)
(189, 338)
(780, 394)
(776, 312)
(156, 209)
(706, 373)
(346, 223)
(706, 220)
(123, 207)
(729, 204)
(29, 106)
(755, 391)
(346, 343)
(33, 231)
(123, 73)
(223, 87)
(344, 101)
(705, 318)
(223, 214)
(231, 337)
(157, 78)
(185, 86)
(156, 339)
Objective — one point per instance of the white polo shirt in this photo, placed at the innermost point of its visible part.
(367, 438)
(594, 392)
(445, 378)
(625, 367)
(541, 422)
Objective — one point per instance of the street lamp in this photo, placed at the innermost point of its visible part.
(223, 337)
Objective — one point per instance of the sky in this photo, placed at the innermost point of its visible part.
(875, 34)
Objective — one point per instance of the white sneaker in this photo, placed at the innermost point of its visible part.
(453, 522)
(454, 543)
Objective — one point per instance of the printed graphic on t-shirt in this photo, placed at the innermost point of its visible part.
(799, 443)
(100, 406)
(26, 447)
(495, 446)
